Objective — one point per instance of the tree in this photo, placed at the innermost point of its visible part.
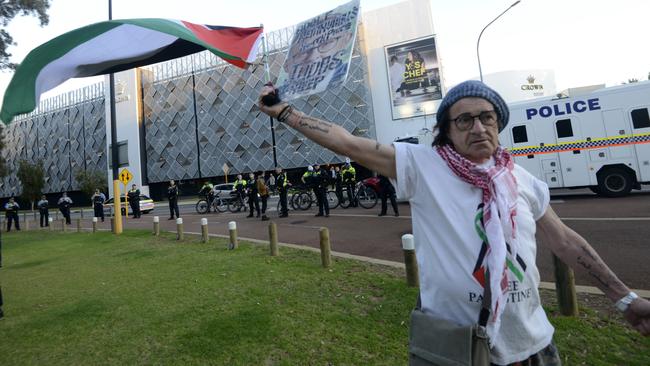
(9, 9)
(91, 180)
(3, 162)
(31, 177)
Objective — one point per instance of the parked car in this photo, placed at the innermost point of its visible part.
(223, 189)
(146, 205)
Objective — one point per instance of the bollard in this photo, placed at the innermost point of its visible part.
(179, 228)
(64, 228)
(565, 288)
(232, 228)
(78, 225)
(113, 224)
(273, 239)
(49, 223)
(94, 224)
(156, 226)
(204, 230)
(325, 249)
(410, 261)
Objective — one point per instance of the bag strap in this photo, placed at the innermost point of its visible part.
(484, 314)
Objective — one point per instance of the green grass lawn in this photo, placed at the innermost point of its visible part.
(96, 299)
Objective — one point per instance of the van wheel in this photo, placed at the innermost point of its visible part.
(614, 182)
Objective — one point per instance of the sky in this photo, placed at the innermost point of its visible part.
(585, 42)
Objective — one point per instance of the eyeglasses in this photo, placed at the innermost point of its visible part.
(465, 121)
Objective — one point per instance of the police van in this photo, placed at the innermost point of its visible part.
(599, 139)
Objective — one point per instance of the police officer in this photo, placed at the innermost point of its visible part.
(12, 208)
(253, 200)
(321, 180)
(283, 185)
(349, 179)
(240, 188)
(387, 192)
(98, 200)
(172, 196)
(134, 201)
(307, 177)
(206, 190)
(64, 204)
(44, 211)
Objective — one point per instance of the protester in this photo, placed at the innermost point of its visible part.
(475, 213)
(11, 214)
(263, 191)
(349, 175)
(44, 211)
(320, 181)
(64, 204)
(271, 183)
(98, 200)
(253, 199)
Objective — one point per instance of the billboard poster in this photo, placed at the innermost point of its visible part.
(320, 52)
(413, 77)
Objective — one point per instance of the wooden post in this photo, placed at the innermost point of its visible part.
(232, 228)
(565, 288)
(156, 226)
(78, 225)
(204, 230)
(273, 239)
(179, 228)
(94, 224)
(325, 248)
(64, 227)
(410, 261)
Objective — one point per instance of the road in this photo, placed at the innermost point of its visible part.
(619, 230)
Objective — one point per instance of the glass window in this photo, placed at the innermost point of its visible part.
(563, 128)
(640, 118)
(122, 154)
(519, 134)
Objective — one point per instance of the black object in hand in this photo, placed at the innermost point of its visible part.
(272, 99)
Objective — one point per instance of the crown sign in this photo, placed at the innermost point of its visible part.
(531, 79)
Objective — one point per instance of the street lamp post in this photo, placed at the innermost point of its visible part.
(480, 72)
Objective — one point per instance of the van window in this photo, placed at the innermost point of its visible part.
(640, 118)
(519, 134)
(563, 128)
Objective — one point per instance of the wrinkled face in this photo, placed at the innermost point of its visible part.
(479, 142)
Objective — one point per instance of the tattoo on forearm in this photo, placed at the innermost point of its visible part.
(314, 124)
(589, 261)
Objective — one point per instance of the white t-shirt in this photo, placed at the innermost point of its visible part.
(444, 211)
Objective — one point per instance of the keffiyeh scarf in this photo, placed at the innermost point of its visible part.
(499, 188)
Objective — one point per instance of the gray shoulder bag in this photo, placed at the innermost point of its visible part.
(439, 342)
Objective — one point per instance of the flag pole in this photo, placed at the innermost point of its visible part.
(117, 202)
(267, 71)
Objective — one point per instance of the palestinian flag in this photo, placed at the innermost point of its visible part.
(119, 45)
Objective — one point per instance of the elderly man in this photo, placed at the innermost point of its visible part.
(475, 213)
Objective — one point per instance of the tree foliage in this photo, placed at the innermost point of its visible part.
(9, 9)
(91, 180)
(3, 162)
(31, 177)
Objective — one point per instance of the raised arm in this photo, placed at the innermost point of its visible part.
(576, 252)
(369, 153)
